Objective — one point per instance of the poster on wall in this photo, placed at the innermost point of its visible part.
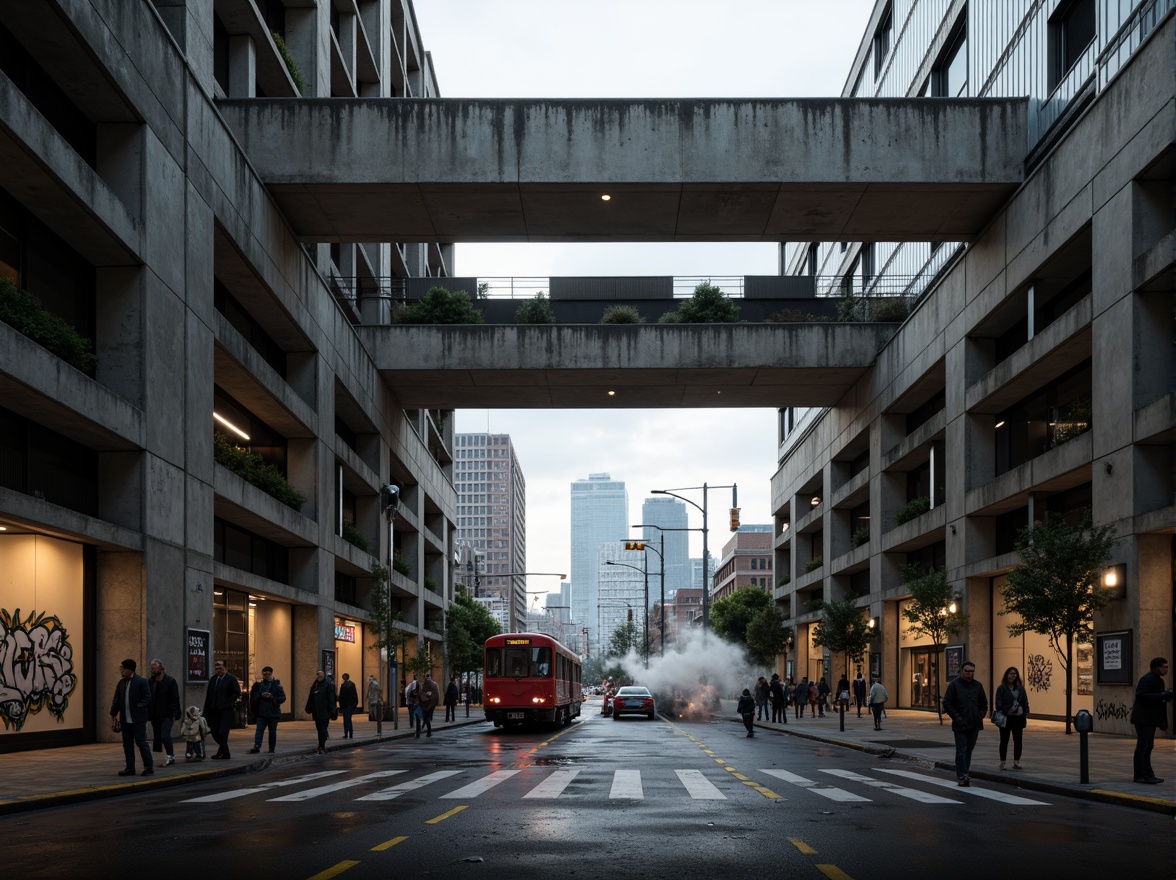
(953, 659)
(1085, 670)
(329, 664)
(199, 648)
(1113, 653)
(876, 664)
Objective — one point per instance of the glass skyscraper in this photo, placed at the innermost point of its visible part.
(600, 513)
(671, 515)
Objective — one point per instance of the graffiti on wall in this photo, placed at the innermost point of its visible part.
(1038, 672)
(36, 667)
(1105, 711)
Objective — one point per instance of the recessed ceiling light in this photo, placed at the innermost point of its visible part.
(606, 198)
(612, 394)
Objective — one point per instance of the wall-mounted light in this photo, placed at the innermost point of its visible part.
(230, 425)
(872, 622)
(1115, 579)
(999, 424)
(784, 528)
(815, 500)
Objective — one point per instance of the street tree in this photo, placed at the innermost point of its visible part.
(929, 614)
(730, 616)
(388, 636)
(467, 626)
(624, 638)
(1055, 588)
(767, 637)
(844, 629)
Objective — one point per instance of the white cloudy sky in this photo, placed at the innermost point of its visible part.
(635, 49)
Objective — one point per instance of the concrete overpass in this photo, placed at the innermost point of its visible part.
(440, 170)
(652, 366)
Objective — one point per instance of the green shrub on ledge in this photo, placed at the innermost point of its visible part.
(252, 468)
(860, 536)
(284, 51)
(400, 565)
(910, 510)
(813, 564)
(353, 536)
(24, 312)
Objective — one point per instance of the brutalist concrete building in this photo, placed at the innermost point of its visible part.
(1035, 376)
(223, 359)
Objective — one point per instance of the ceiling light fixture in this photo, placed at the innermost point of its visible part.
(229, 425)
(606, 197)
(1000, 424)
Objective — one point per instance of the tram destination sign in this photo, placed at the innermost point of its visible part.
(518, 641)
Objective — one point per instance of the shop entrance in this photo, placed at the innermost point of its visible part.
(923, 668)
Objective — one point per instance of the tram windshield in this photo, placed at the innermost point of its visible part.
(518, 662)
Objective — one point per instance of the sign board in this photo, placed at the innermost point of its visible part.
(344, 633)
(953, 659)
(199, 649)
(329, 663)
(1113, 654)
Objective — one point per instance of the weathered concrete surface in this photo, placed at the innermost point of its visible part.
(677, 170)
(575, 367)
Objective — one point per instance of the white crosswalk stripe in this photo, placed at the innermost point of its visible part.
(243, 792)
(553, 785)
(987, 793)
(626, 786)
(396, 791)
(481, 786)
(830, 792)
(699, 787)
(338, 786)
(923, 797)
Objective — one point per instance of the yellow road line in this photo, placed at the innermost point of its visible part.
(388, 844)
(766, 792)
(446, 815)
(1130, 797)
(802, 846)
(334, 870)
(833, 872)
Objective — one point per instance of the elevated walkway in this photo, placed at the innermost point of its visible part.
(818, 169)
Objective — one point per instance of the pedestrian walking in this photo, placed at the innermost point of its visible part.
(859, 693)
(375, 697)
(321, 705)
(412, 699)
(822, 695)
(746, 710)
(220, 704)
(878, 698)
(967, 705)
(193, 729)
(761, 699)
(812, 699)
(130, 709)
(1148, 714)
(843, 693)
(348, 703)
(265, 702)
(451, 699)
(430, 699)
(800, 696)
(1012, 700)
(165, 709)
(779, 700)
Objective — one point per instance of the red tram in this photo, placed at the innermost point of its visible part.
(530, 677)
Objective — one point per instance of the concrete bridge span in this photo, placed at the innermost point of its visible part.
(446, 170)
(652, 366)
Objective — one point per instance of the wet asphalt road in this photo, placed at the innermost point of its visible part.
(599, 798)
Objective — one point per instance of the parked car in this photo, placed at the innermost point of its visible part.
(633, 700)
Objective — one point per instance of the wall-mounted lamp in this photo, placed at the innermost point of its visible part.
(1115, 579)
(1110, 468)
(953, 530)
(815, 500)
(872, 622)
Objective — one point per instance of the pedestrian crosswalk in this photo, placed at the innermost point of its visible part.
(875, 785)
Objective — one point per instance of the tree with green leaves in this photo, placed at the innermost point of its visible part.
(844, 629)
(467, 627)
(731, 615)
(708, 305)
(929, 614)
(388, 637)
(442, 306)
(535, 311)
(767, 636)
(1055, 589)
(625, 638)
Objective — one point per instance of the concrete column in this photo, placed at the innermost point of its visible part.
(242, 67)
(120, 626)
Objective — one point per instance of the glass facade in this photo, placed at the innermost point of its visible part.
(600, 513)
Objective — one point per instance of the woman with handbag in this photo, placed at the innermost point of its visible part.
(1013, 702)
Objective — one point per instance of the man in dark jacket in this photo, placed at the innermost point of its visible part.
(1150, 712)
(348, 703)
(265, 702)
(322, 705)
(451, 699)
(220, 703)
(859, 693)
(165, 708)
(779, 700)
(966, 704)
(130, 709)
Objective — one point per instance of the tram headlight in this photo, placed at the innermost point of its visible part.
(538, 700)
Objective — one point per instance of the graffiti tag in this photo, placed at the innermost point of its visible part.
(1104, 711)
(36, 667)
(1038, 672)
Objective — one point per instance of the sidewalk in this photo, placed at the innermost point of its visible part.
(53, 777)
(1050, 758)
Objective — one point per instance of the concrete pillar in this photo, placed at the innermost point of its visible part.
(120, 626)
(242, 67)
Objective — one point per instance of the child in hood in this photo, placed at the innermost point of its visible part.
(193, 729)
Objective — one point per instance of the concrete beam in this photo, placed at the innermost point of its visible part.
(677, 170)
(647, 366)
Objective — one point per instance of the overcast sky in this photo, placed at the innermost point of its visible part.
(635, 49)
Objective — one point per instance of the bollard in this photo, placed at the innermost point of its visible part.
(841, 712)
(1083, 723)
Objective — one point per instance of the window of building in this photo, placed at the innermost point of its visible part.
(1072, 27)
(814, 250)
(246, 551)
(220, 53)
(882, 37)
(1044, 420)
(949, 76)
(37, 461)
(263, 439)
(243, 322)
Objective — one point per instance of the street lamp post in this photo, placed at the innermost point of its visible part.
(705, 554)
(645, 626)
(390, 503)
(661, 555)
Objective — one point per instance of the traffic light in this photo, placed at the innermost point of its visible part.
(734, 519)
(634, 545)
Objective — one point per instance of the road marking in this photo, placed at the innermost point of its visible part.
(802, 846)
(334, 870)
(914, 794)
(482, 785)
(388, 844)
(626, 786)
(833, 794)
(242, 792)
(699, 787)
(387, 794)
(328, 789)
(833, 872)
(974, 792)
(553, 785)
(446, 815)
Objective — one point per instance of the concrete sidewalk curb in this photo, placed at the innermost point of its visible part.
(1105, 796)
(160, 782)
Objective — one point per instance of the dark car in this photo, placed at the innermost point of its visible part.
(633, 700)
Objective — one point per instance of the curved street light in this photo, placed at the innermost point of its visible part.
(645, 627)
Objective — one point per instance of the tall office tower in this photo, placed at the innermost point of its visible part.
(600, 512)
(671, 515)
(620, 592)
(492, 519)
(696, 573)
